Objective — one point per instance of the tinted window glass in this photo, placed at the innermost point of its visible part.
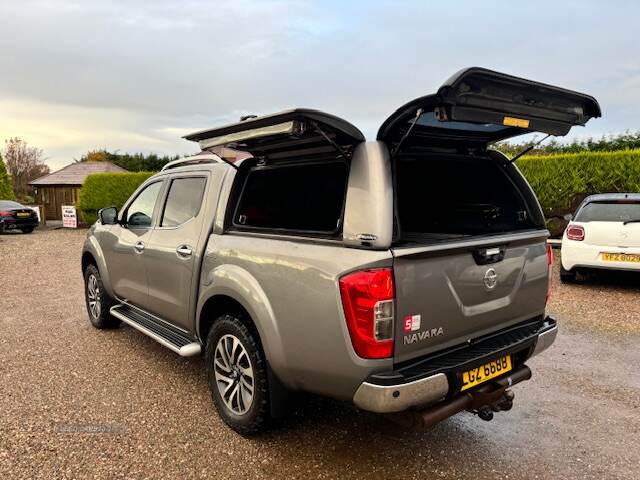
(140, 211)
(456, 196)
(297, 198)
(609, 212)
(183, 201)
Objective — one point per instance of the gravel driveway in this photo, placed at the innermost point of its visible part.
(80, 403)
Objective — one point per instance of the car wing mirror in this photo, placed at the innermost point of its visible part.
(568, 217)
(108, 216)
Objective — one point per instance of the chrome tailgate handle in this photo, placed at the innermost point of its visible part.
(184, 251)
(139, 247)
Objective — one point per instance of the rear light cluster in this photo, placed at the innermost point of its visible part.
(575, 232)
(5, 214)
(550, 271)
(368, 302)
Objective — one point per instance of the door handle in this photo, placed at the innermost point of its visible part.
(139, 247)
(184, 251)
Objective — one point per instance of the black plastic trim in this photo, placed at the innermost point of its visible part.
(517, 341)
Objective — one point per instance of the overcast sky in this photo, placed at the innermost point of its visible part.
(136, 75)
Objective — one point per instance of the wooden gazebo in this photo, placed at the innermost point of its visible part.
(63, 186)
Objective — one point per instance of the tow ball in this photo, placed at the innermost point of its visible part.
(503, 404)
(484, 400)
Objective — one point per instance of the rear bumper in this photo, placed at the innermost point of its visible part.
(10, 223)
(438, 377)
(582, 255)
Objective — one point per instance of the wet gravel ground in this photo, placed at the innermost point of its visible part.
(80, 403)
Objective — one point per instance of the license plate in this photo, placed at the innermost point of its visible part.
(621, 257)
(486, 372)
(23, 214)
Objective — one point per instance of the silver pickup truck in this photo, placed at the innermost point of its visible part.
(408, 275)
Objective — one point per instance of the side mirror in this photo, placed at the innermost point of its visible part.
(568, 217)
(108, 216)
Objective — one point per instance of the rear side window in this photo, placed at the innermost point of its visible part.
(294, 198)
(440, 197)
(622, 211)
(183, 201)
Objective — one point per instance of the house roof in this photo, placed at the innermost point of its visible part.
(76, 173)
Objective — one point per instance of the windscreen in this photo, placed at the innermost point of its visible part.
(619, 211)
(449, 195)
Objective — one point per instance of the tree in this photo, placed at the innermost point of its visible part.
(136, 162)
(24, 163)
(6, 190)
(96, 156)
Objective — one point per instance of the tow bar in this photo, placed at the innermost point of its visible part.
(483, 401)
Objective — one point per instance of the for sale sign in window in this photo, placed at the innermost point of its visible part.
(69, 216)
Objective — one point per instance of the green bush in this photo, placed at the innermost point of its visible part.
(107, 190)
(607, 143)
(562, 181)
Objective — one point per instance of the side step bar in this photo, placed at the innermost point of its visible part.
(161, 332)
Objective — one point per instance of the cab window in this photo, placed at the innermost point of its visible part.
(140, 211)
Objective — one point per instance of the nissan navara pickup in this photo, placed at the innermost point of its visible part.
(408, 274)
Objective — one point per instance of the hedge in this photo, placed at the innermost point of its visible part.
(562, 181)
(107, 190)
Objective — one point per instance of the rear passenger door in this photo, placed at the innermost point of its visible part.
(171, 255)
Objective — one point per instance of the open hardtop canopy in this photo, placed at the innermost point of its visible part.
(302, 130)
(474, 107)
(480, 106)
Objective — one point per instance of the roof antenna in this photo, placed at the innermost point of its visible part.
(406, 134)
(528, 149)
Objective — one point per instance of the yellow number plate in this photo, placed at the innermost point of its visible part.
(621, 257)
(23, 214)
(486, 372)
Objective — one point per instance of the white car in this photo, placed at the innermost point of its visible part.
(603, 234)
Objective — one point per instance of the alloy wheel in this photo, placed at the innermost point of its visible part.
(93, 296)
(234, 374)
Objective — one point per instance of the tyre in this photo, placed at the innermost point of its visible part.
(237, 375)
(27, 229)
(98, 301)
(567, 276)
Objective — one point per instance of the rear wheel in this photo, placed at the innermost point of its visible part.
(98, 300)
(27, 229)
(567, 276)
(237, 374)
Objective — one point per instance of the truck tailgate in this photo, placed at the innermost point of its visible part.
(450, 294)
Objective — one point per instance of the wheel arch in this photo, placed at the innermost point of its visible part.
(88, 259)
(229, 289)
(92, 255)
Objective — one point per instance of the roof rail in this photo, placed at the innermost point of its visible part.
(193, 160)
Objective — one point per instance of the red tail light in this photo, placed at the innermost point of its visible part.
(5, 214)
(368, 302)
(550, 264)
(575, 232)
